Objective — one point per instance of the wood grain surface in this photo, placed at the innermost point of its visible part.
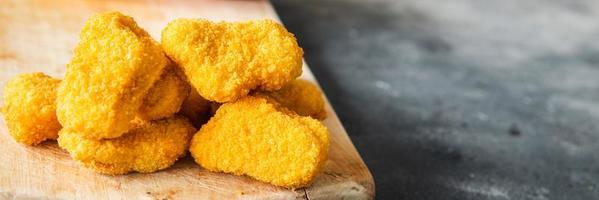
(39, 36)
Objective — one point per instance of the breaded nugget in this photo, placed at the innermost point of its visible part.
(148, 147)
(29, 109)
(256, 138)
(300, 96)
(225, 60)
(113, 67)
(196, 108)
(166, 95)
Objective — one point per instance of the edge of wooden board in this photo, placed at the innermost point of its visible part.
(361, 189)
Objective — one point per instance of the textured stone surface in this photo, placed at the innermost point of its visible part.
(462, 99)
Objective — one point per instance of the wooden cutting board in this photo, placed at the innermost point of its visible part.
(39, 36)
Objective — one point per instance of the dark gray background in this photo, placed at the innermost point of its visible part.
(462, 99)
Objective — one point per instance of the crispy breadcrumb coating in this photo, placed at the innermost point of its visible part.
(113, 67)
(196, 108)
(166, 95)
(300, 96)
(254, 137)
(225, 60)
(29, 109)
(148, 147)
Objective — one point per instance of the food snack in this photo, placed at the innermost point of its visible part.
(256, 138)
(29, 109)
(225, 60)
(113, 67)
(300, 96)
(123, 104)
(196, 108)
(148, 147)
(166, 95)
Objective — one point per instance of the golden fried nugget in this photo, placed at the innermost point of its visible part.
(300, 96)
(148, 147)
(113, 67)
(196, 108)
(29, 109)
(252, 137)
(225, 60)
(166, 96)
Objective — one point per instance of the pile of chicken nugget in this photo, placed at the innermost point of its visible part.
(225, 91)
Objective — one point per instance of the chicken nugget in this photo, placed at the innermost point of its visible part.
(113, 67)
(196, 108)
(225, 60)
(300, 96)
(166, 96)
(256, 138)
(149, 147)
(29, 109)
